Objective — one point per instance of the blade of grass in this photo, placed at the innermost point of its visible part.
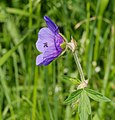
(1, 101)
(28, 81)
(103, 5)
(6, 92)
(48, 108)
(107, 72)
(16, 79)
(55, 94)
(14, 33)
(35, 94)
(9, 53)
(88, 19)
(19, 12)
(90, 46)
(41, 115)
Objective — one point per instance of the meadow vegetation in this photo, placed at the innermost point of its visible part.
(30, 92)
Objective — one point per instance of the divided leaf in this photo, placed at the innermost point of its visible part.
(74, 81)
(74, 95)
(97, 96)
(84, 107)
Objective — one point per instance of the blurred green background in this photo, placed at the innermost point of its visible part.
(30, 92)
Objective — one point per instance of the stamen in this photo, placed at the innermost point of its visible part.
(45, 44)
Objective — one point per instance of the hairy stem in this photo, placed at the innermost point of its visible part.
(78, 65)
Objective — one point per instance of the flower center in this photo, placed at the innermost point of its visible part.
(45, 44)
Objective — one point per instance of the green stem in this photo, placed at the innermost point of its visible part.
(78, 65)
(35, 94)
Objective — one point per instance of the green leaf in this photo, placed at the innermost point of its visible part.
(97, 96)
(84, 107)
(103, 5)
(73, 96)
(74, 81)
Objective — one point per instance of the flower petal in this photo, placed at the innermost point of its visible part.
(50, 54)
(39, 59)
(58, 41)
(45, 36)
(51, 25)
(59, 38)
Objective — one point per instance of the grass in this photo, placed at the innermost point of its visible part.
(29, 92)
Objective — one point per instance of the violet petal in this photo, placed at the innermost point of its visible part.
(45, 36)
(51, 25)
(50, 54)
(39, 59)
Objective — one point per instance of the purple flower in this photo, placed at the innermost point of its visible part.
(48, 43)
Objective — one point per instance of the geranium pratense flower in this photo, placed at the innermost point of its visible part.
(49, 41)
